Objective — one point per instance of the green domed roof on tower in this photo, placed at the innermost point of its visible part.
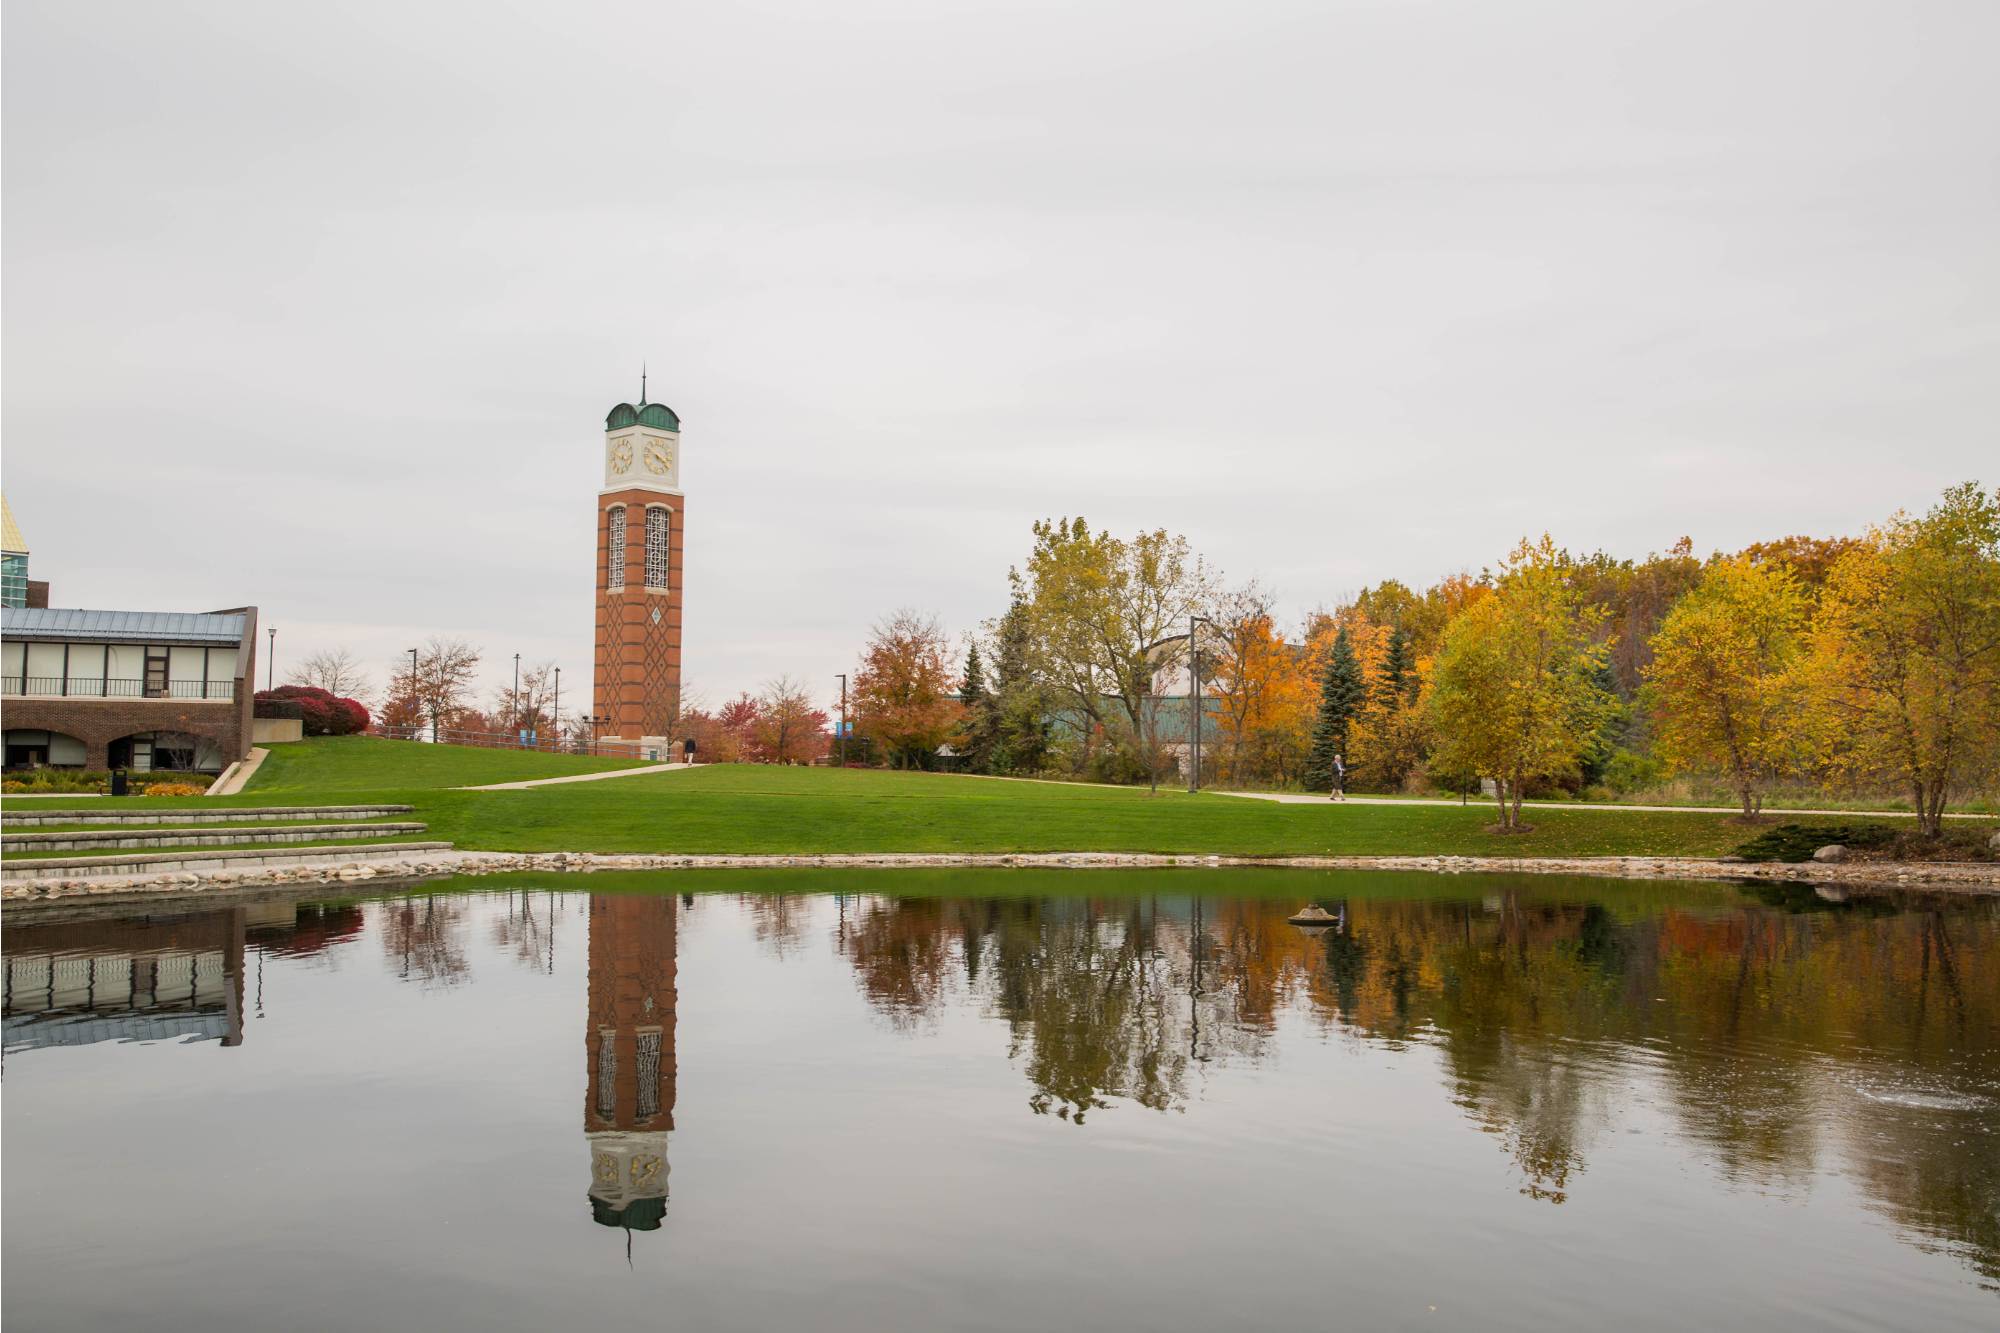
(642, 413)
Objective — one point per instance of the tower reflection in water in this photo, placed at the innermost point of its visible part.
(628, 1045)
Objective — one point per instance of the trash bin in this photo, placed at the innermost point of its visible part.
(118, 784)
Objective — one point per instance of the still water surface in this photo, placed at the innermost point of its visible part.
(1004, 1100)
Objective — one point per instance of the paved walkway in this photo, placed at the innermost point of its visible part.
(1302, 798)
(579, 777)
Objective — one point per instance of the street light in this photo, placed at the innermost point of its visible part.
(596, 720)
(1194, 705)
(271, 659)
(843, 719)
(558, 708)
(516, 697)
(413, 690)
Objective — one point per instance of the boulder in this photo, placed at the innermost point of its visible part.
(1833, 851)
(1993, 843)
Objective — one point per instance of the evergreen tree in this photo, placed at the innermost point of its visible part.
(1020, 703)
(1342, 691)
(1399, 670)
(981, 716)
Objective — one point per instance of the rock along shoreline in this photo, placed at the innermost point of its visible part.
(1952, 876)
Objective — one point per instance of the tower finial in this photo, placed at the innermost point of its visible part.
(642, 384)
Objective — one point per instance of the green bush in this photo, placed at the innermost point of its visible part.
(1629, 771)
(1797, 842)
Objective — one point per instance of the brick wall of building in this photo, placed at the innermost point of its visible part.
(637, 677)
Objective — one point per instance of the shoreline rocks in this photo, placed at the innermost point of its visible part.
(1960, 876)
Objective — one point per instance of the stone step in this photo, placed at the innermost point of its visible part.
(132, 864)
(118, 839)
(122, 814)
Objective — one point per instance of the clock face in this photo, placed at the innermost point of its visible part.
(658, 460)
(621, 457)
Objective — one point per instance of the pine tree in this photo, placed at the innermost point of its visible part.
(1398, 673)
(1341, 694)
(981, 716)
(1020, 705)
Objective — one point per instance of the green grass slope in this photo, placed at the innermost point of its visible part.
(768, 810)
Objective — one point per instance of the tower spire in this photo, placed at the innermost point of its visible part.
(642, 384)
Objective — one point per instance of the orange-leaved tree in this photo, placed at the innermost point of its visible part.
(904, 691)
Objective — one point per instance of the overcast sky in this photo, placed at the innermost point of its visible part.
(321, 307)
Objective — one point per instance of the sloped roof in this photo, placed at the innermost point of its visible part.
(11, 540)
(121, 626)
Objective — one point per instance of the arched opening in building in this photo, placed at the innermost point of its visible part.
(43, 749)
(166, 752)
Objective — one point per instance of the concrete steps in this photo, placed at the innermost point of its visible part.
(133, 864)
(123, 815)
(120, 839)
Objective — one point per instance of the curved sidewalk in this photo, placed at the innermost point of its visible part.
(579, 777)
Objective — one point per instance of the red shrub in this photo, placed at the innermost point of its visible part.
(323, 714)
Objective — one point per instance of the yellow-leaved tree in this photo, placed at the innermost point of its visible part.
(1723, 685)
(1514, 693)
(1905, 666)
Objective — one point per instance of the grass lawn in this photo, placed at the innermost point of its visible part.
(753, 809)
(336, 767)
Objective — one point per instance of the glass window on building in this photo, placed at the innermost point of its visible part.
(656, 547)
(13, 579)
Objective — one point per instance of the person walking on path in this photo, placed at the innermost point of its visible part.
(687, 750)
(1339, 778)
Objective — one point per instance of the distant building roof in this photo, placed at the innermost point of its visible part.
(122, 626)
(11, 540)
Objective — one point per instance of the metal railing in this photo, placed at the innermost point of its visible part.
(60, 687)
(501, 740)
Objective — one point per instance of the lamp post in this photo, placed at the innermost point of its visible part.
(558, 708)
(271, 658)
(516, 698)
(1194, 705)
(413, 689)
(843, 719)
(596, 720)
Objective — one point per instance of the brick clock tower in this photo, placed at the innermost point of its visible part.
(640, 519)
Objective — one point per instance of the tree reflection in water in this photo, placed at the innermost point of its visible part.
(1774, 1037)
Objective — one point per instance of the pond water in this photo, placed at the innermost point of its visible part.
(995, 1100)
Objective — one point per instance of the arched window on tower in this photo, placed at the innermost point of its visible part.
(614, 560)
(656, 547)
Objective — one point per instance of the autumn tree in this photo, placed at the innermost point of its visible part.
(1722, 684)
(439, 688)
(903, 690)
(1342, 691)
(786, 726)
(1810, 559)
(1101, 607)
(1249, 660)
(529, 708)
(1515, 694)
(1905, 665)
(1393, 729)
(337, 671)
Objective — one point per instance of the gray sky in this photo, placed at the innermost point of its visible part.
(321, 307)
